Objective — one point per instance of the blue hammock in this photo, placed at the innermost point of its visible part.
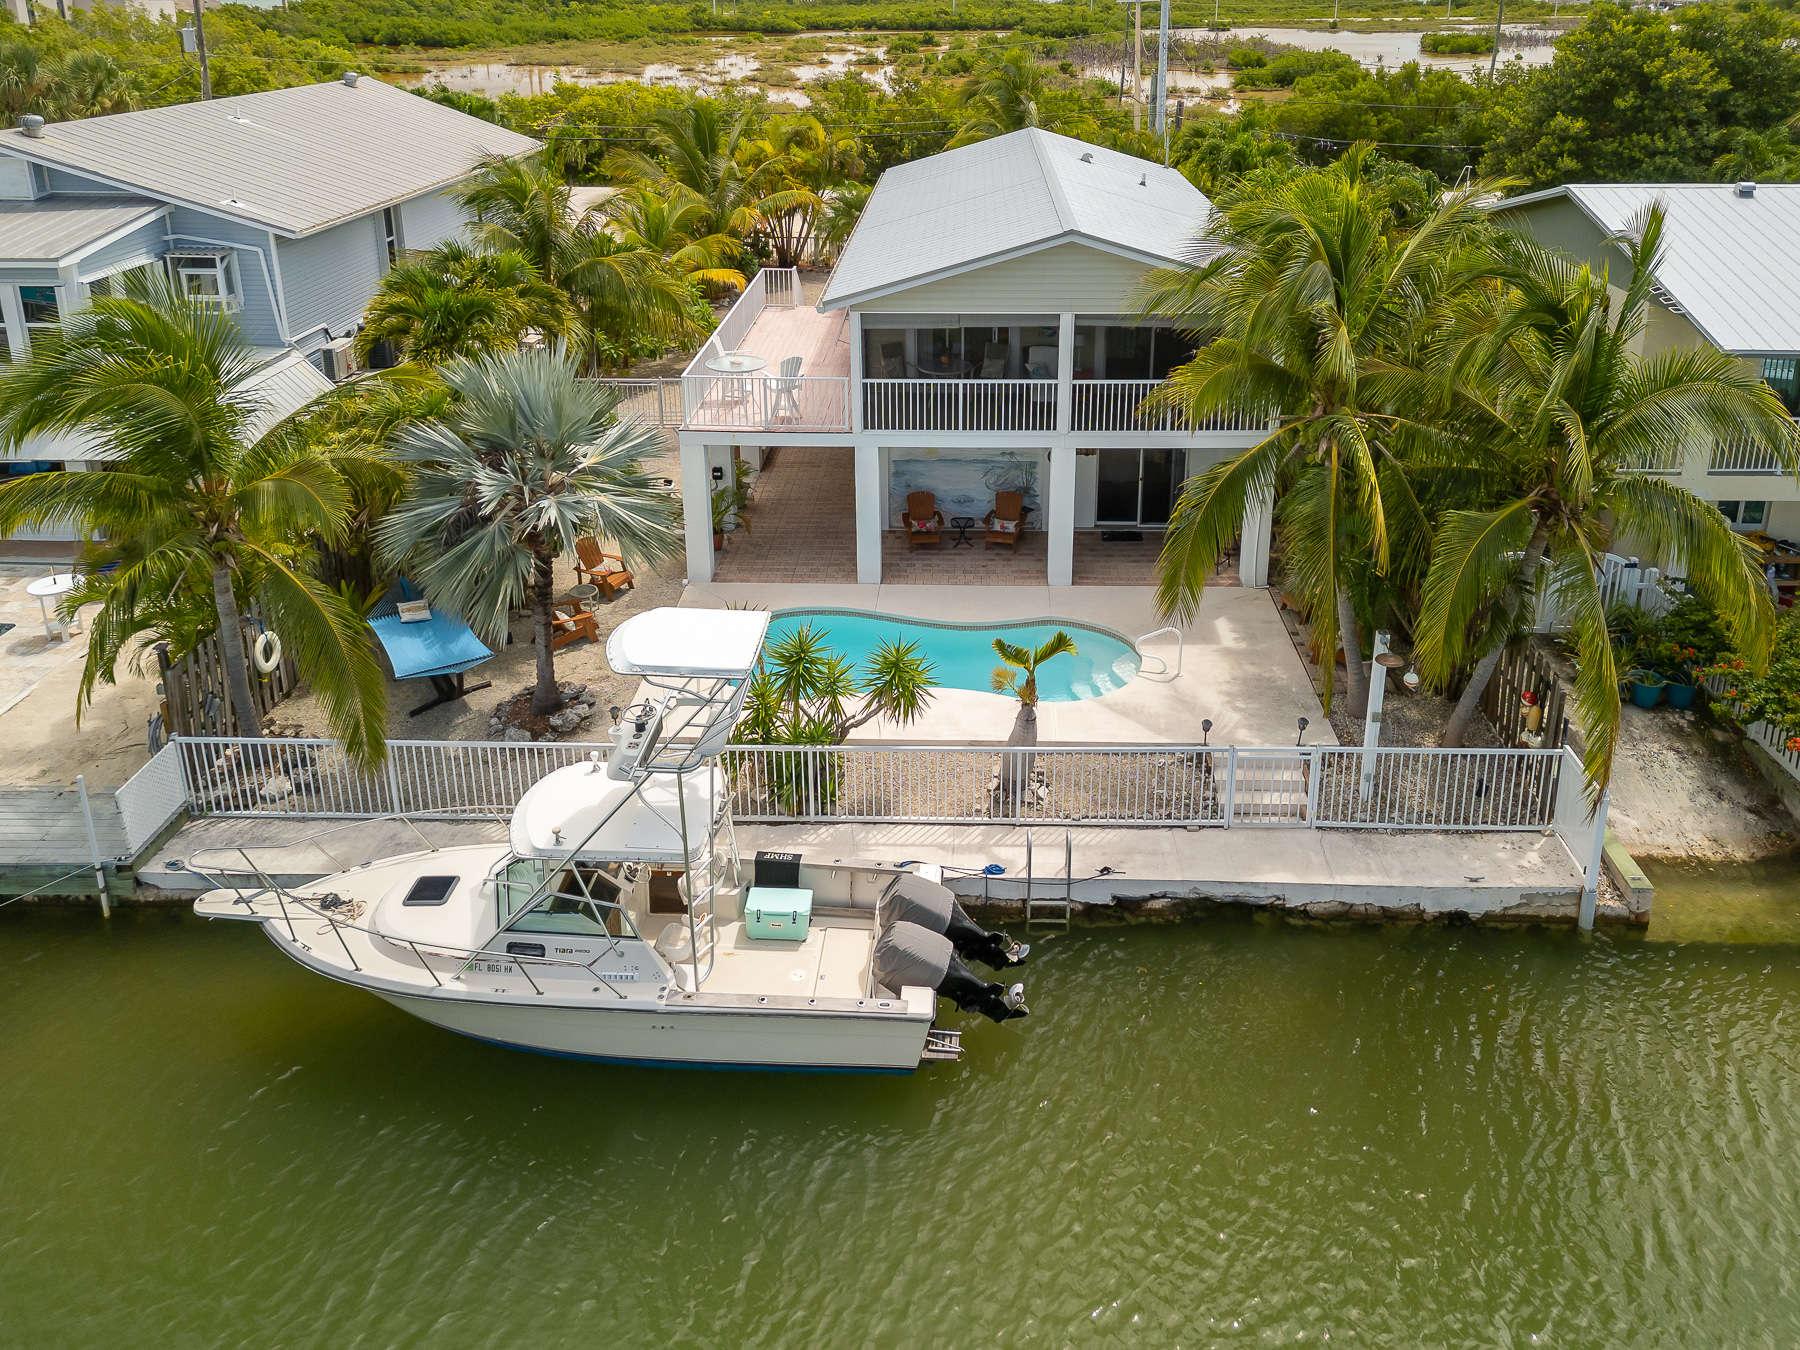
(438, 649)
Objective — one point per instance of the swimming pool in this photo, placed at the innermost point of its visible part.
(962, 655)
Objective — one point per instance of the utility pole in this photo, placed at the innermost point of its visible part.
(1137, 70)
(1162, 82)
(200, 45)
(1498, 20)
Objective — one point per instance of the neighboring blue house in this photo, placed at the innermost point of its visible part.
(284, 208)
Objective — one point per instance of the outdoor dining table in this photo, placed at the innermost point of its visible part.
(737, 363)
(47, 589)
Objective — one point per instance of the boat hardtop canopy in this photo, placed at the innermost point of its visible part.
(639, 821)
(720, 644)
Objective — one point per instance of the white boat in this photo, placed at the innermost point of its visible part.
(612, 924)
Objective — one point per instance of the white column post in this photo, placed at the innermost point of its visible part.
(1065, 375)
(696, 507)
(1253, 551)
(855, 338)
(1590, 882)
(871, 507)
(1372, 722)
(12, 320)
(1059, 516)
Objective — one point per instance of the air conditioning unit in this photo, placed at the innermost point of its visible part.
(337, 360)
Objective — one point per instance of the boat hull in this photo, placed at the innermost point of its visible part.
(687, 1037)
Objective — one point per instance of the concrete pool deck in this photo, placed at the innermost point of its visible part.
(1238, 668)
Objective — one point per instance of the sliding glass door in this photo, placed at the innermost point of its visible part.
(1137, 487)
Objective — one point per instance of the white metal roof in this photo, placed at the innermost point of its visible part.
(1731, 264)
(47, 231)
(1007, 196)
(291, 160)
(703, 643)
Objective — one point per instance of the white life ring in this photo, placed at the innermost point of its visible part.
(268, 652)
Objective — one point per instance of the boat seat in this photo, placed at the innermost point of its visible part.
(672, 943)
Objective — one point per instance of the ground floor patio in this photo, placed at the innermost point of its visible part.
(801, 530)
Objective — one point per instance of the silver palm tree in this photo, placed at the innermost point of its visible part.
(528, 459)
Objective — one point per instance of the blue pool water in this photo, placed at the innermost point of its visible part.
(963, 654)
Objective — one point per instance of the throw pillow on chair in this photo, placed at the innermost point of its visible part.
(924, 526)
(1006, 527)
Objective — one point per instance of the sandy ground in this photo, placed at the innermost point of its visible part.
(1683, 790)
(40, 745)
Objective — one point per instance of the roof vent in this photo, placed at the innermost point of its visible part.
(350, 78)
(1144, 180)
(32, 125)
(1746, 188)
(1088, 158)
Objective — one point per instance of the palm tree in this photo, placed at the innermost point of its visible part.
(1018, 679)
(804, 693)
(703, 149)
(1566, 413)
(619, 290)
(196, 502)
(527, 460)
(669, 224)
(812, 160)
(454, 301)
(843, 208)
(1319, 300)
(1013, 93)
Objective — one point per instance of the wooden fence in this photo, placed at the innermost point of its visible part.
(1526, 666)
(197, 697)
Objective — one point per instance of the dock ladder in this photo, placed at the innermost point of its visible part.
(1051, 911)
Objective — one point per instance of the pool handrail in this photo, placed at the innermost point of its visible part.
(1137, 646)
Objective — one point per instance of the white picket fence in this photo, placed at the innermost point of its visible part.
(1622, 581)
(1769, 738)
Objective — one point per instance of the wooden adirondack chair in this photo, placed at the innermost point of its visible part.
(592, 566)
(1006, 522)
(570, 624)
(924, 522)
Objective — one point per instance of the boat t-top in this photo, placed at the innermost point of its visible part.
(618, 921)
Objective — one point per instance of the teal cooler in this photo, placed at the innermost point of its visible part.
(779, 912)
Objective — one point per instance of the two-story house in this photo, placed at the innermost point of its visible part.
(284, 208)
(1728, 276)
(977, 334)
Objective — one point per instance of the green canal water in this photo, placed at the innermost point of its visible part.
(1227, 1132)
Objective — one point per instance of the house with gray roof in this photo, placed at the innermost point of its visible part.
(283, 208)
(977, 336)
(1729, 277)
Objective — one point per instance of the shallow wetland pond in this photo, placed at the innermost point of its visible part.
(1228, 1131)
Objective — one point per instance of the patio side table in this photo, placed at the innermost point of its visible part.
(962, 525)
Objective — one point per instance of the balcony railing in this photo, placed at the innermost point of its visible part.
(959, 405)
(1118, 405)
(1745, 456)
(765, 403)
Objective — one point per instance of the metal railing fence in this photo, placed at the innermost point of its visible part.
(1225, 786)
(1743, 455)
(1118, 405)
(650, 402)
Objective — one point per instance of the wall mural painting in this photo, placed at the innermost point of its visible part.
(966, 486)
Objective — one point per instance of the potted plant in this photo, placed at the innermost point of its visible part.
(1646, 687)
(1678, 663)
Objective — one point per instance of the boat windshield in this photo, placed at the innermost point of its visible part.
(580, 902)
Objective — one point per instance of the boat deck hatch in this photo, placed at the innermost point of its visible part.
(430, 891)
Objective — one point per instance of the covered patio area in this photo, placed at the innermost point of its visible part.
(802, 529)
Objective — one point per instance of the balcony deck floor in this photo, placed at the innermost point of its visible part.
(821, 341)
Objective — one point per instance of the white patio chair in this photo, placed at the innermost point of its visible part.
(787, 390)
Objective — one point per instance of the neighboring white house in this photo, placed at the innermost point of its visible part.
(1729, 276)
(284, 208)
(977, 333)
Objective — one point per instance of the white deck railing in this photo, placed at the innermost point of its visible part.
(762, 403)
(1223, 786)
(1118, 405)
(650, 402)
(1745, 456)
(959, 405)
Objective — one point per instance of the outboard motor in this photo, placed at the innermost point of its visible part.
(910, 898)
(908, 954)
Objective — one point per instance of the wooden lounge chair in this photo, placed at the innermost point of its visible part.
(923, 521)
(570, 624)
(1006, 522)
(598, 569)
